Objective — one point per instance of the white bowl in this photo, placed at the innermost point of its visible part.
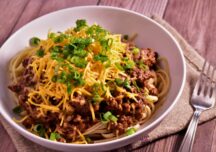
(150, 34)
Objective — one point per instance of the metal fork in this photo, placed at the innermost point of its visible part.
(203, 98)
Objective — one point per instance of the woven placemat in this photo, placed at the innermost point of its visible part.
(170, 125)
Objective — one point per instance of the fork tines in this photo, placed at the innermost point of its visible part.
(206, 82)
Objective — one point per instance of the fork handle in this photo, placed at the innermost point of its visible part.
(187, 143)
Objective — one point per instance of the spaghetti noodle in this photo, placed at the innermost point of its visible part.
(86, 85)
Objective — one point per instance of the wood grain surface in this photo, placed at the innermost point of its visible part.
(10, 16)
(194, 19)
(147, 7)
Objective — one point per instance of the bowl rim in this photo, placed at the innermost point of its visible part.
(26, 133)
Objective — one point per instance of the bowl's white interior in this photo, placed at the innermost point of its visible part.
(117, 21)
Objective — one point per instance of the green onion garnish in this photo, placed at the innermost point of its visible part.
(54, 136)
(17, 109)
(79, 82)
(88, 139)
(135, 84)
(118, 65)
(113, 118)
(54, 78)
(79, 62)
(76, 75)
(127, 84)
(135, 50)
(80, 53)
(119, 81)
(34, 41)
(69, 87)
(51, 35)
(100, 57)
(39, 128)
(40, 53)
(97, 98)
(59, 38)
(130, 131)
(80, 24)
(125, 37)
(129, 64)
(108, 116)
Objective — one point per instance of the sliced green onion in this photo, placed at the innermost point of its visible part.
(59, 38)
(113, 118)
(79, 82)
(80, 24)
(54, 78)
(40, 53)
(18, 109)
(107, 64)
(39, 128)
(125, 37)
(101, 57)
(105, 44)
(130, 131)
(97, 98)
(76, 75)
(54, 136)
(34, 41)
(66, 53)
(135, 84)
(80, 53)
(97, 32)
(129, 64)
(135, 50)
(142, 65)
(62, 77)
(127, 84)
(81, 43)
(110, 42)
(118, 65)
(69, 87)
(51, 35)
(88, 139)
(55, 52)
(59, 59)
(119, 81)
(107, 115)
(79, 62)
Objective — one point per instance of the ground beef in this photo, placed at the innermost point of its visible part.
(147, 56)
(80, 105)
(138, 110)
(126, 107)
(26, 62)
(17, 88)
(114, 105)
(123, 123)
(126, 120)
(142, 75)
(28, 77)
(28, 122)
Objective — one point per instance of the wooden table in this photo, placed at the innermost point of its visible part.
(194, 19)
